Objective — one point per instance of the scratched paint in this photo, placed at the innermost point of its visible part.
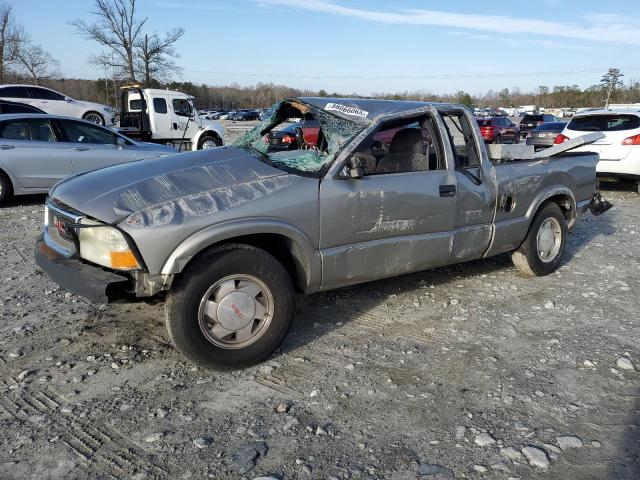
(209, 202)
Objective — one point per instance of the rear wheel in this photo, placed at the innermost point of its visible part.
(498, 139)
(516, 138)
(94, 117)
(231, 307)
(541, 252)
(6, 189)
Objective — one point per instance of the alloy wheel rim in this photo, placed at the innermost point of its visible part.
(235, 311)
(549, 240)
(94, 118)
(209, 144)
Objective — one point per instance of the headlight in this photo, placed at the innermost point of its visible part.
(105, 246)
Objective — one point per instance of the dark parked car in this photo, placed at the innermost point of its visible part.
(288, 137)
(7, 107)
(499, 130)
(529, 122)
(544, 135)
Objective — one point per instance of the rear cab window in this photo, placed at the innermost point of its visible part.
(159, 105)
(604, 123)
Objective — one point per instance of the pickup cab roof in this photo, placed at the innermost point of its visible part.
(365, 110)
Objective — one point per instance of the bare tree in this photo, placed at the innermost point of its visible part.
(155, 56)
(118, 30)
(37, 63)
(611, 83)
(12, 37)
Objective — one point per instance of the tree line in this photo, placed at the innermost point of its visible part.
(132, 53)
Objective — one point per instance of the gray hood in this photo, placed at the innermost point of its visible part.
(134, 189)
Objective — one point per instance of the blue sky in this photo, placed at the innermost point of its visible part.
(371, 46)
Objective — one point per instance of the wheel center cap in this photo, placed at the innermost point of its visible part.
(236, 310)
(546, 239)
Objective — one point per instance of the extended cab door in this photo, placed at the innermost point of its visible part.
(91, 146)
(476, 188)
(29, 150)
(398, 217)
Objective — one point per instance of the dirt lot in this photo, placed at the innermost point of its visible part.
(451, 373)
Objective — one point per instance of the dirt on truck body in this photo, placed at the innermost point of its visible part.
(230, 234)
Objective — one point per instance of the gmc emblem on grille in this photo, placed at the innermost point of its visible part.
(60, 227)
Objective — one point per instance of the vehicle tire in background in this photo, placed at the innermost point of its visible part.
(6, 189)
(94, 117)
(498, 140)
(208, 141)
(541, 252)
(516, 138)
(231, 307)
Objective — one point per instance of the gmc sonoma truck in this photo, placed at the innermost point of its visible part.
(227, 236)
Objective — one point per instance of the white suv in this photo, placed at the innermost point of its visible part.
(56, 103)
(619, 150)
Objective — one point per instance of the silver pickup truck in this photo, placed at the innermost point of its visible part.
(372, 189)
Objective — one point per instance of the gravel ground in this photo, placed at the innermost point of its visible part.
(468, 371)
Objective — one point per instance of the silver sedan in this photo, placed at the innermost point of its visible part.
(38, 150)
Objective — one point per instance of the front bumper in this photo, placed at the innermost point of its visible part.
(94, 283)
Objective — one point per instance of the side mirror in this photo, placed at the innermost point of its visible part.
(120, 143)
(357, 166)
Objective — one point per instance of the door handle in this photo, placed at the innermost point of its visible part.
(7, 147)
(447, 190)
(81, 149)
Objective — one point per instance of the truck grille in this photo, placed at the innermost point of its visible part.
(59, 231)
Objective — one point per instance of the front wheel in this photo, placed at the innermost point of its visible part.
(208, 141)
(94, 117)
(541, 252)
(231, 307)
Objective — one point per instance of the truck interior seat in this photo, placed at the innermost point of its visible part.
(406, 153)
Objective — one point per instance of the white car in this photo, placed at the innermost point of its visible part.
(55, 103)
(619, 150)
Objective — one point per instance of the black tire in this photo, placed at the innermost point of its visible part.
(206, 139)
(194, 283)
(6, 189)
(94, 117)
(516, 138)
(498, 140)
(527, 259)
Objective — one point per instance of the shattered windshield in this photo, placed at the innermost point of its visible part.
(298, 137)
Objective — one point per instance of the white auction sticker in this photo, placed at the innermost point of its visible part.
(347, 110)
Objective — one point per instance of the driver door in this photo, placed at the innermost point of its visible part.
(183, 118)
(398, 217)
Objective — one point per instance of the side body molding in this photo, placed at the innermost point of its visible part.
(307, 258)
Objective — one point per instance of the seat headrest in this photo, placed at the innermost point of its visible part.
(407, 140)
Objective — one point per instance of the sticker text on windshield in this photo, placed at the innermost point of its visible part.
(346, 110)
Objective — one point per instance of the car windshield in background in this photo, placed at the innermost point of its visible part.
(532, 118)
(551, 127)
(311, 154)
(604, 123)
(485, 123)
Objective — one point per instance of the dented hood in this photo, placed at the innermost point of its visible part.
(131, 189)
